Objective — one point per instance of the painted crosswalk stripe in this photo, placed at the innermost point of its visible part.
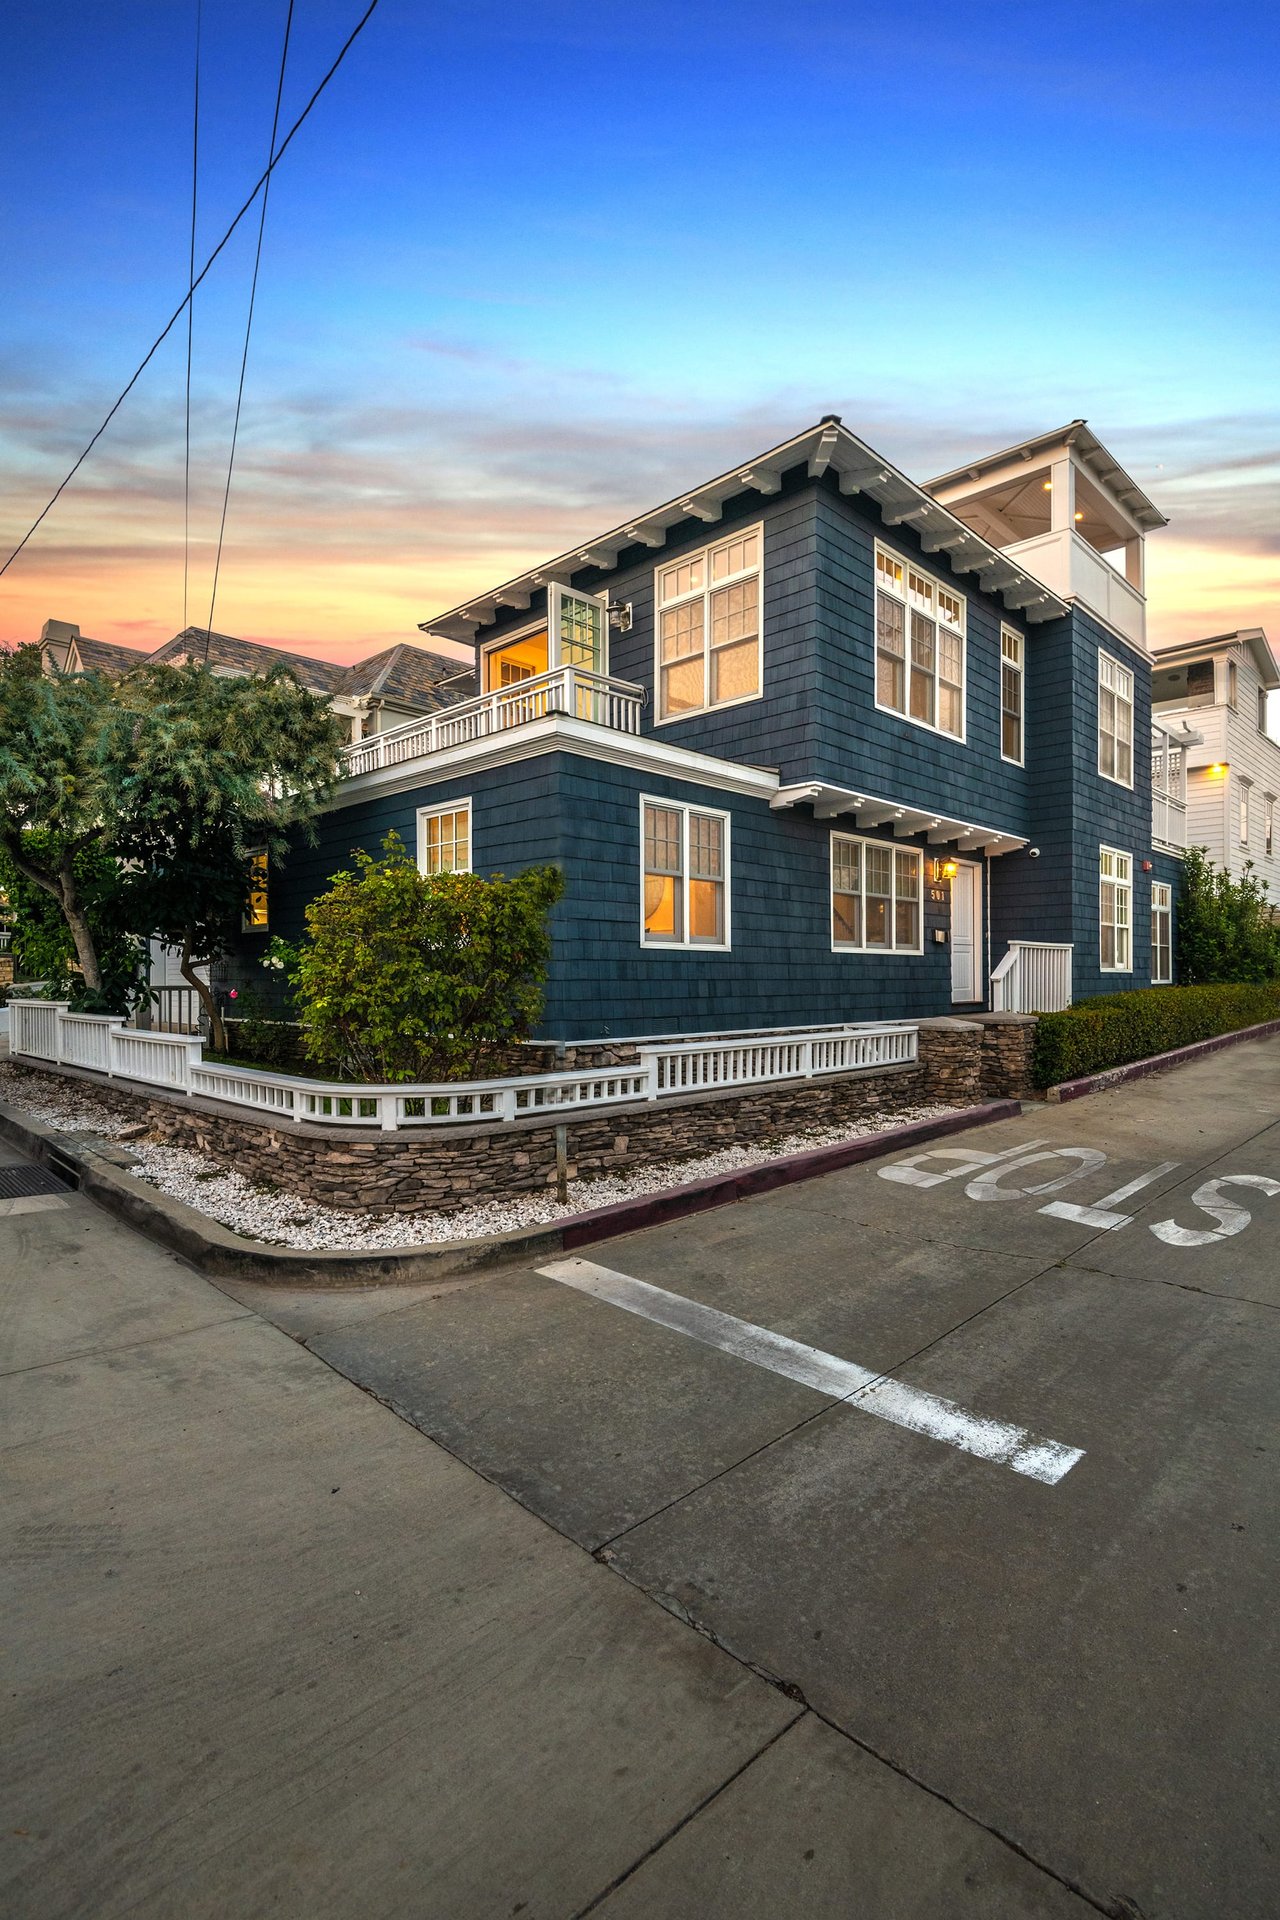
(854, 1386)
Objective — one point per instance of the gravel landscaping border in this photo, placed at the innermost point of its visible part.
(107, 1170)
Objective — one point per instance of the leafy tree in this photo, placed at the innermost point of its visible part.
(43, 948)
(407, 976)
(55, 792)
(1226, 928)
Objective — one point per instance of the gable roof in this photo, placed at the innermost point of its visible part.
(103, 656)
(411, 674)
(827, 446)
(1179, 653)
(248, 656)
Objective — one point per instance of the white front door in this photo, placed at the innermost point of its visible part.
(966, 932)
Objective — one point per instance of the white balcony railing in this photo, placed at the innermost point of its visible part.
(1033, 977)
(1168, 789)
(569, 690)
(1066, 562)
(44, 1030)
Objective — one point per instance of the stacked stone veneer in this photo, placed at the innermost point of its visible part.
(447, 1168)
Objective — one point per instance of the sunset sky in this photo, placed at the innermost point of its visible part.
(528, 270)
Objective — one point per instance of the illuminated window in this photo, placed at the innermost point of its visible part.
(1115, 721)
(875, 896)
(709, 645)
(256, 915)
(685, 876)
(1011, 695)
(920, 646)
(1161, 933)
(1115, 910)
(444, 838)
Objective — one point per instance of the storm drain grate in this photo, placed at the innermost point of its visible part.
(20, 1183)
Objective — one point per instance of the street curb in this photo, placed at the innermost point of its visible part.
(100, 1171)
(1140, 1069)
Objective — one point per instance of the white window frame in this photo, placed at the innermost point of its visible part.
(1013, 651)
(893, 848)
(1161, 908)
(1242, 821)
(1121, 880)
(704, 593)
(1269, 824)
(1116, 679)
(654, 943)
(889, 564)
(462, 805)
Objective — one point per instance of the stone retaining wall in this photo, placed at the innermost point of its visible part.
(448, 1168)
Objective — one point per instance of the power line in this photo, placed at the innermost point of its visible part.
(248, 326)
(191, 308)
(178, 311)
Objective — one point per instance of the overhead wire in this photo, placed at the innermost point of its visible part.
(248, 326)
(182, 305)
(191, 308)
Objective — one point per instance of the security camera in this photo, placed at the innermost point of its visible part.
(1033, 853)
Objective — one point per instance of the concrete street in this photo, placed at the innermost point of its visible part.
(273, 1650)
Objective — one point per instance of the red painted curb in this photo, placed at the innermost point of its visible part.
(699, 1196)
(1140, 1069)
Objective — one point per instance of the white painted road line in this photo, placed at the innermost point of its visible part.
(852, 1385)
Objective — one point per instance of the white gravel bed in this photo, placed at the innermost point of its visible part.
(287, 1220)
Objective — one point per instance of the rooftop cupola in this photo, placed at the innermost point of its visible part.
(1067, 511)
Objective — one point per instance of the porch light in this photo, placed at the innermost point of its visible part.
(1048, 486)
(1079, 516)
(944, 869)
(1219, 769)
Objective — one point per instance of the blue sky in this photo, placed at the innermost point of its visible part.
(528, 271)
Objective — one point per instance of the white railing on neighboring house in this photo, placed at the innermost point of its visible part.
(1033, 977)
(1168, 788)
(44, 1030)
(569, 690)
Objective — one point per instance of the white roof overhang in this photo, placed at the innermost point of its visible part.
(872, 810)
(827, 446)
(1078, 438)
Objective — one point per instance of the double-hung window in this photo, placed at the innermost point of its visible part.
(920, 644)
(1245, 791)
(875, 896)
(1161, 933)
(1269, 825)
(709, 652)
(1012, 698)
(1115, 910)
(444, 838)
(684, 876)
(1115, 720)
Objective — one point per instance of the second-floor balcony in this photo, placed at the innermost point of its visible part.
(1076, 570)
(570, 690)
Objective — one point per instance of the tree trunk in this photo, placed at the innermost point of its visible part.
(204, 994)
(62, 886)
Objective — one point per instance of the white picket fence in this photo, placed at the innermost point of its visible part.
(44, 1030)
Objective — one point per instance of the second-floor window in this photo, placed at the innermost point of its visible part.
(709, 652)
(1115, 720)
(920, 645)
(1115, 910)
(1012, 682)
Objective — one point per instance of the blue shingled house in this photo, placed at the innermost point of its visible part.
(811, 742)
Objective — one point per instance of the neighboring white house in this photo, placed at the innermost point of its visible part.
(1219, 687)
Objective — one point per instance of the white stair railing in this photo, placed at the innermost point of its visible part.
(1033, 977)
(44, 1030)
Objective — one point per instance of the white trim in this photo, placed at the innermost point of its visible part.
(561, 733)
(1123, 672)
(893, 848)
(1244, 798)
(686, 944)
(907, 566)
(1165, 908)
(1018, 666)
(1122, 885)
(461, 805)
(704, 593)
(500, 643)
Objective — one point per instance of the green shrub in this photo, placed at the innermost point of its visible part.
(407, 976)
(1119, 1027)
(1226, 932)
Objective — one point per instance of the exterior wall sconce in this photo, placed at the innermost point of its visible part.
(944, 870)
(1219, 769)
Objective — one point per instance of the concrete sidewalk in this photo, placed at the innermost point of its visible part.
(272, 1650)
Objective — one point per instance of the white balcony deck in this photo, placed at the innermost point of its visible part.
(1077, 571)
(568, 690)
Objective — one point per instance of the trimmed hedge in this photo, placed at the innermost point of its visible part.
(1116, 1028)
